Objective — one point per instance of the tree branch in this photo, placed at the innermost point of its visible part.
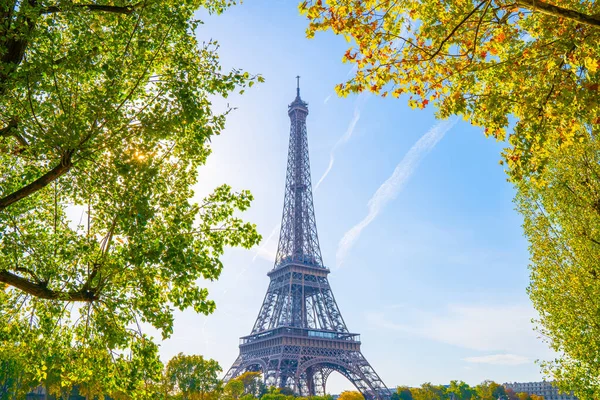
(10, 130)
(477, 29)
(95, 7)
(62, 168)
(469, 15)
(41, 291)
(556, 11)
(562, 63)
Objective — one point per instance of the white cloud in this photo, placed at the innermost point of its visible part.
(499, 359)
(390, 188)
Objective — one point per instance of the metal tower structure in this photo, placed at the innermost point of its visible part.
(300, 337)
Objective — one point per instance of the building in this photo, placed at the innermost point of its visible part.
(541, 389)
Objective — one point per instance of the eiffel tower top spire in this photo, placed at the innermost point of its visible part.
(298, 239)
(298, 105)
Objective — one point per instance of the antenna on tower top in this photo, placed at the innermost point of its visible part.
(298, 87)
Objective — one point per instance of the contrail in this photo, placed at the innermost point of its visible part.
(345, 137)
(390, 188)
(262, 250)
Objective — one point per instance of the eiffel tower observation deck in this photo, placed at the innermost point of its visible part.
(300, 337)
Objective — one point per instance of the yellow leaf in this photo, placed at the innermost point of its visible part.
(591, 64)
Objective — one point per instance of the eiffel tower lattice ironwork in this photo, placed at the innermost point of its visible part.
(300, 337)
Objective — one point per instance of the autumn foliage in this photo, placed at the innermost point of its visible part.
(525, 71)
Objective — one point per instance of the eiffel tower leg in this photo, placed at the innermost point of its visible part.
(234, 370)
(310, 381)
(320, 380)
(302, 385)
(364, 377)
(281, 374)
(271, 374)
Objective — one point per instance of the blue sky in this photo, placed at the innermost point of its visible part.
(435, 282)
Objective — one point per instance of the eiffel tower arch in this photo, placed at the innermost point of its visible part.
(299, 337)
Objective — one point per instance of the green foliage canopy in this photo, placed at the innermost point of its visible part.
(461, 390)
(402, 393)
(427, 391)
(234, 389)
(562, 223)
(351, 395)
(105, 113)
(489, 390)
(194, 377)
(249, 383)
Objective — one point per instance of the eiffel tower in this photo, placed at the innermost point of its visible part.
(300, 337)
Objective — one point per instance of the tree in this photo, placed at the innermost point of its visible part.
(249, 384)
(233, 389)
(402, 393)
(427, 391)
(253, 383)
(562, 224)
(14, 383)
(193, 376)
(498, 391)
(527, 67)
(105, 117)
(286, 391)
(324, 397)
(274, 393)
(460, 391)
(489, 390)
(351, 395)
(511, 395)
